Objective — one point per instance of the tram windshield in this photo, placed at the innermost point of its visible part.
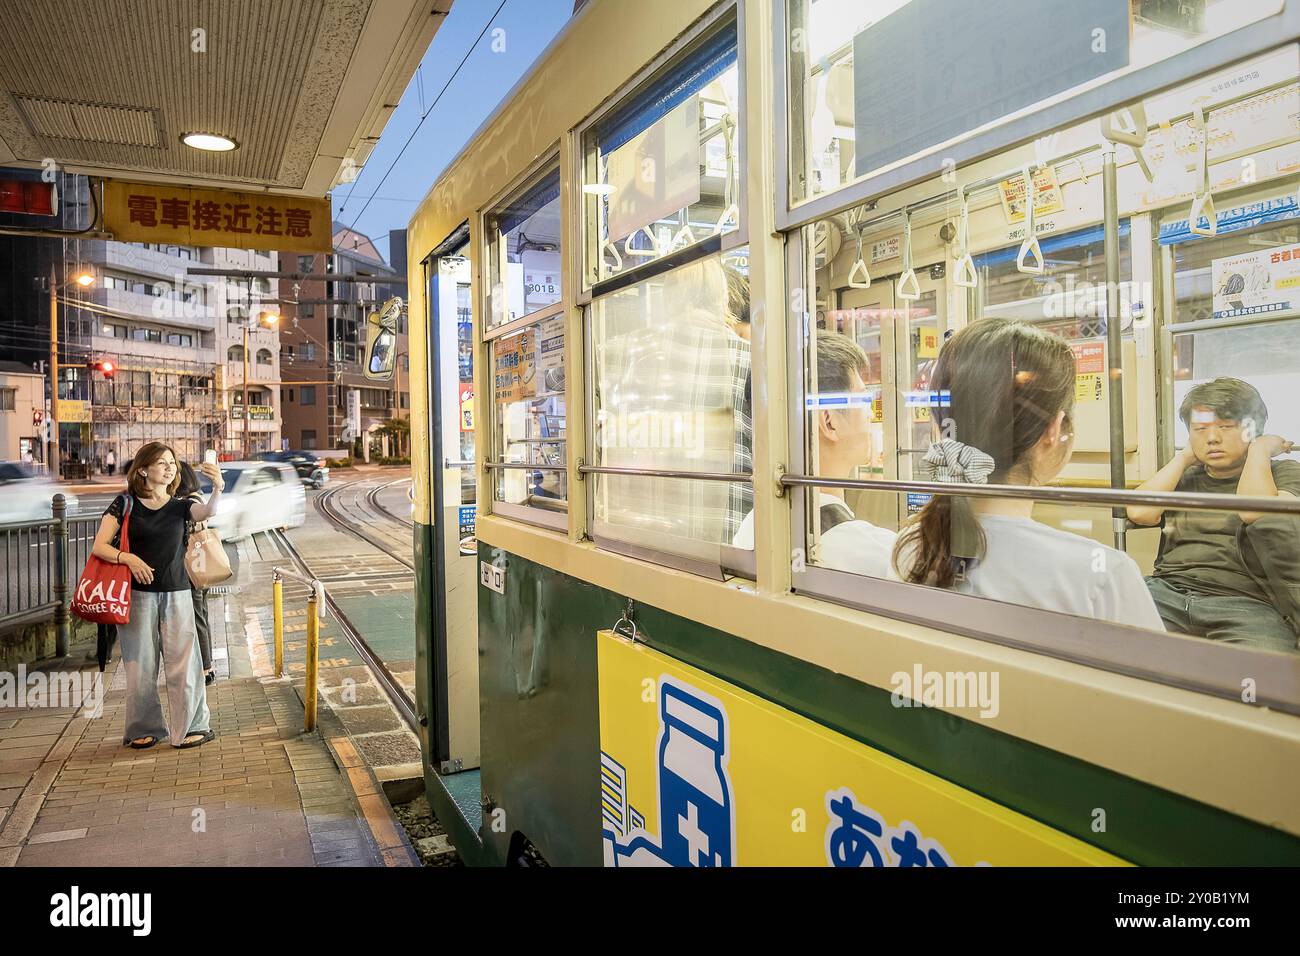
(963, 334)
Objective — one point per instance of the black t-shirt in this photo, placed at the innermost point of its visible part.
(157, 537)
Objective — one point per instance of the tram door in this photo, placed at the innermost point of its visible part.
(452, 705)
(901, 336)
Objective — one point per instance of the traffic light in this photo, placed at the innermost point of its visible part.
(105, 367)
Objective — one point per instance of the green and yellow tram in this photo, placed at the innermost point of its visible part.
(816, 401)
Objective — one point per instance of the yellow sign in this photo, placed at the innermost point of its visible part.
(515, 367)
(73, 411)
(927, 342)
(697, 772)
(140, 212)
(1047, 194)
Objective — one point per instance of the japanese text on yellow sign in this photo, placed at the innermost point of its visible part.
(697, 772)
(139, 212)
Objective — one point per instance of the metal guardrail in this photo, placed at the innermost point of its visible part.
(42, 560)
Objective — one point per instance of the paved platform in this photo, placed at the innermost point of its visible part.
(262, 794)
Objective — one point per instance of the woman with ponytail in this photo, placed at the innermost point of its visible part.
(1004, 396)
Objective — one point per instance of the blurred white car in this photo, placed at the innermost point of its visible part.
(258, 496)
(26, 495)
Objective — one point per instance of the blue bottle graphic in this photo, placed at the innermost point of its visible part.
(696, 822)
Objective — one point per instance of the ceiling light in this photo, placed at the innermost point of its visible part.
(212, 142)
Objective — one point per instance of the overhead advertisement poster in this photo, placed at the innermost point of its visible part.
(933, 70)
(1254, 283)
(657, 172)
(179, 215)
(698, 772)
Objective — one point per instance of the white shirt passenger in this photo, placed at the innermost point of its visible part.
(1027, 562)
(856, 546)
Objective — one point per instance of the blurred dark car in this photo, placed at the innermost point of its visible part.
(307, 465)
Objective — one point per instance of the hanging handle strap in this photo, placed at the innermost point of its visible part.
(1202, 201)
(908, 288)
(964, 274)
(859, 275)
(1030, 246)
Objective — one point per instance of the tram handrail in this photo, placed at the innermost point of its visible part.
(585, 469)
(524, 466)
(1177, 500)
(314, 603)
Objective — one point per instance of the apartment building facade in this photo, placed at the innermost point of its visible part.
(323, 343)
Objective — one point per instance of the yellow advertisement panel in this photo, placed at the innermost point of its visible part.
(148, 212)
(698, 772)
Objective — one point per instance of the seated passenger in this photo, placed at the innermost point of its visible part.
(1201, 584)
(843, 443)
(1004, 394)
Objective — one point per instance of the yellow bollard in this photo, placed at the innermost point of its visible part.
(313, 637)
(277, 592)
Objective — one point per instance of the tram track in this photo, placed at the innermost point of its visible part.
(392, 687)
(330, 505)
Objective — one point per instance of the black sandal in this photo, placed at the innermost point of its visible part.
(210, 678)
(203, 735)
(152, 740)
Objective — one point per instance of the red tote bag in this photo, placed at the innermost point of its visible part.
(103, 594)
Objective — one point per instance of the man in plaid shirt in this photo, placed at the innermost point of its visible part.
(673, 381)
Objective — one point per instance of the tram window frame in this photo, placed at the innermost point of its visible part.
(556, 519)
(684, 553)
(1094, 98)
(1162, 657)
(729, 15)
(540, 178)
(492, 335)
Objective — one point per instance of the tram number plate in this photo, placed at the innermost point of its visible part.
(492, 577)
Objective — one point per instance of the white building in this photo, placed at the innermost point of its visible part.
(241, 307)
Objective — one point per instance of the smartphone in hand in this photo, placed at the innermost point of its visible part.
(210, 456)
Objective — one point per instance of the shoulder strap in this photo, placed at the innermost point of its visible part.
(123, 538)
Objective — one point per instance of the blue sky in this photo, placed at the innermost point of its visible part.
(484, 80)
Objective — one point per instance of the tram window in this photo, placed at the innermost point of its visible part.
(1004, 377)
(1237, 314)
(524, 252)
(943, 83)
(662, 171)
(672, 393)
(528, 374)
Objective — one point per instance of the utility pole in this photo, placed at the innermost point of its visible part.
(53, 453)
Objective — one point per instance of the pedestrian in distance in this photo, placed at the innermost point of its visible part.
(162, 624)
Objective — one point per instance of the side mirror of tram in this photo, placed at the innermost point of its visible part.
(381, 340)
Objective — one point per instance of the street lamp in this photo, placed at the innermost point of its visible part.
(84, 278)
(264, 319)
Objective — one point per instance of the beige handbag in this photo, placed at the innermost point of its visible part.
(205, 559)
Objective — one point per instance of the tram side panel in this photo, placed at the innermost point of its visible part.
(770, 727)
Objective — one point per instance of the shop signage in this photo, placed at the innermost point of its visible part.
(695, 771)
(257, 413)
(1254, 283)
(140, 212)
(73, 411)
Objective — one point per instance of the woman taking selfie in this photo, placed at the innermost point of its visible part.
(162, 611)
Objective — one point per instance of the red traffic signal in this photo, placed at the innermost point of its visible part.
(104, 367)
